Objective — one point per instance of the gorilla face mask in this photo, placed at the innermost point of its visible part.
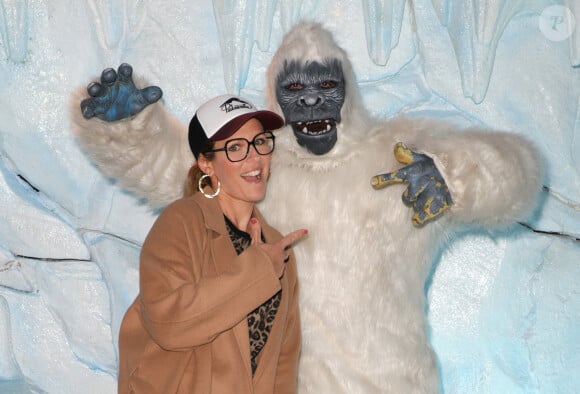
(311, 95)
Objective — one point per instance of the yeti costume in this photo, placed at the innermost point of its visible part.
(363, 268)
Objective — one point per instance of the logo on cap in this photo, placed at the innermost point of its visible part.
(235, 103)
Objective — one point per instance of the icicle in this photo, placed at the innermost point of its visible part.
(290, 13)
(14, 29)
(235, 23)
(475, 28)
(442, 9)
(264, 16)
(109, 17)
(383, 21)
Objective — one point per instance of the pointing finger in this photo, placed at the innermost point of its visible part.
(403, 155)
(292, 237)
(390, 178)
(255, 231)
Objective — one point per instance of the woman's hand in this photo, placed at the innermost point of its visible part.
(276, 251)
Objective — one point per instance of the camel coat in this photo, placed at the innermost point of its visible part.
(187, 332)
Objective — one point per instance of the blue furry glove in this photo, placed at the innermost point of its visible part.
(116, 97)
(427, 192)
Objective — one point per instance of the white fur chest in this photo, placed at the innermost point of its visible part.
(361, 269)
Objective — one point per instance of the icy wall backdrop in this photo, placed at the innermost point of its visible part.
(504, 309)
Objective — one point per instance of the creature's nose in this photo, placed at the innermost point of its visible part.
(310, 100)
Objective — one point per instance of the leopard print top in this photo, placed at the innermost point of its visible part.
(261, 319)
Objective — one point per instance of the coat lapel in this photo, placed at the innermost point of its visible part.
(223, 253)
(275, 340)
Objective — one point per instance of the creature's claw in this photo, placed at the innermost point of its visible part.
(438, 202)
(108, 76)
(94, 89)
(116, 96)
(403, 154)
(427, 191)
(125, 71)
(384, 180)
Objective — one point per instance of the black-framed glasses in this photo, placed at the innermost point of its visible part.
(237, 149)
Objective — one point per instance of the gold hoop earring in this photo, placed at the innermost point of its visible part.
(200, 187)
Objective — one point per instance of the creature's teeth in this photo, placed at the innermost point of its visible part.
(315, 127)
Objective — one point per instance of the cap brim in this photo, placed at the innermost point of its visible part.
(269, 120)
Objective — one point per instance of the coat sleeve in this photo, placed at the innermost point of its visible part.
(147, 154)
(495, 178)
(183, 305)
(287, 369)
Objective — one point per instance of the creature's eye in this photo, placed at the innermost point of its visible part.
(295, 86)
(328, 84)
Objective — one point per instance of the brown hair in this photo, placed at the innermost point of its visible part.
(195, 174)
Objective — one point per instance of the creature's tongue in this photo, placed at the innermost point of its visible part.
(317, 127)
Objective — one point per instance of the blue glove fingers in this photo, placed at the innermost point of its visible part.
(125, 72)
(406, 174)
(405, 155)
(427, 192)
(151, 94)
(417, 185)
(419, 176)
(390, 178)
(95, 89)
(108, 76)
(141, 98)
(116, 97)
(90, 106)
(431, 204)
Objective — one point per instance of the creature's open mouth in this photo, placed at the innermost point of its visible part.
(317, 136)
(314, 127)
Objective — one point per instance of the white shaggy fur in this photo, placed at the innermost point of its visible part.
(149, 153)
(363, 267)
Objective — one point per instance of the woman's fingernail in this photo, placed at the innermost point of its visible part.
(253, 220)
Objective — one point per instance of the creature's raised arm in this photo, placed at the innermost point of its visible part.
(494, 178)
(131, 137)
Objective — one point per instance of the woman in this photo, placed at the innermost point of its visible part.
(218, 305)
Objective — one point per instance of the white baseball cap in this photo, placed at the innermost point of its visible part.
(222, 116)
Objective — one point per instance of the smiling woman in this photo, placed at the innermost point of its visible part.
(217, 283)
